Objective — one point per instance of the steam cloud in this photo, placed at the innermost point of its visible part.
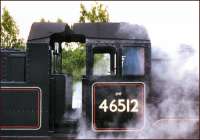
(175, 80)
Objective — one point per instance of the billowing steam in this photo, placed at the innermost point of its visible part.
(175, 79)
(132, 31)
(175, 112)
(77, 95)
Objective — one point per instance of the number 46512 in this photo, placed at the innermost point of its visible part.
(121, 105)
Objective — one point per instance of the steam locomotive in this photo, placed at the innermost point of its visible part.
(35, 94)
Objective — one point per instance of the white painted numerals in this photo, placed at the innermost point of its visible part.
(103, 105)
(121, 105)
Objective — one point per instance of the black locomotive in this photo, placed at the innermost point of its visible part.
(35, 94)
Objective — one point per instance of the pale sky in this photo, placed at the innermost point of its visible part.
(168, 23)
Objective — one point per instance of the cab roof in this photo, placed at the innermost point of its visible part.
(46, 32)
(121, 30)
(43, 31)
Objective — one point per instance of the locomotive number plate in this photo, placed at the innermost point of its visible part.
(118, 106)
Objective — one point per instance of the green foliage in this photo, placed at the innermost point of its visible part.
(74, 59)
(42, 20)
(98, 13)
(98, 57)
(10, 32)
(59, 20)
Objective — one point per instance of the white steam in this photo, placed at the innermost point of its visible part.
(77, 95)
(175, 80)
(176, 114)
(132, 31)
(101, 67)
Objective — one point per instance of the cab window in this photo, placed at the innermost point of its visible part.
(104, 61)
(133, 61)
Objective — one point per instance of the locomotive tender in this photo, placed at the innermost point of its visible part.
(35, 94)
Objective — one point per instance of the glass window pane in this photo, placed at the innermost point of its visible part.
(101, 64)
(133, 61)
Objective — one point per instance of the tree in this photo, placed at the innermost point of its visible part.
(59, 20)
(42, 20)
(98, 13)
(10, 32)
(74, 62)
(74, 59)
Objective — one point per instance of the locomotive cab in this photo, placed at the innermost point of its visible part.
(117, 76)
(114, 88)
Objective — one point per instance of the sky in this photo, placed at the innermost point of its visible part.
(169, 23)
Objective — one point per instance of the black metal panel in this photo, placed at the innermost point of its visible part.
(12, 65)
(15, 116)
(16, 67)
(89, 60)
(37, 75)
(3, 62)
(58, 98)
(68, 91)
(61, 105)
